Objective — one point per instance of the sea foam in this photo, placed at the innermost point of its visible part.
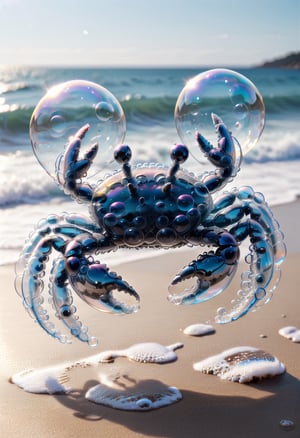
(125, 393)
(241, 364)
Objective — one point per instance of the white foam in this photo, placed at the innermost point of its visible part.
(241, 364)
(292, 333)
(48, 380)
(146, 352)
(125, 393)
(199, 330)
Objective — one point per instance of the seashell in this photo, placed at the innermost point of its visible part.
(292, 333)
(199, 330)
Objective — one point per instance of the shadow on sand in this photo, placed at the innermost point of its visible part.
(203, 415)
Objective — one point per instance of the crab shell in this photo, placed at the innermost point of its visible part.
(152, 210)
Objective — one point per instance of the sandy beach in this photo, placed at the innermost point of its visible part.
(209, 408)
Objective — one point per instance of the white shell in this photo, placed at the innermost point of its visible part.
(292, 333)
(199, 330)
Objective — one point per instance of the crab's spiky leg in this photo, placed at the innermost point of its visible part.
(226, 156)
(245, 215)
(76, 238)
(62, 302)
(266, 252)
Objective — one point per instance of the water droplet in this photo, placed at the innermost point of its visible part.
(287, 424)
(260, 293)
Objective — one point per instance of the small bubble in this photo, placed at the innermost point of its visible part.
(240, 111)
(260, 293)
(144, 403)
(185, 202)
(104, 111)
(57, 125)
(287, 424)
(118, 208)
(93, 341)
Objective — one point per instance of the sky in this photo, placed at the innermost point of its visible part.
(147, 32)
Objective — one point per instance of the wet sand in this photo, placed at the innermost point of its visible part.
(209, 408)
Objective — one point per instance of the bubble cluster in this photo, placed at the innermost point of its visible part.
(65, 109)
(230, 95)
(157, 213)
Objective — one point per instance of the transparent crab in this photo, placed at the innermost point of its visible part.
(151, 206)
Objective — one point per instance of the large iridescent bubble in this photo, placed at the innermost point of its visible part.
(226, 93)
(63, 111)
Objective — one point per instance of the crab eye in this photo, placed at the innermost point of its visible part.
(122, 153)
(179, 153)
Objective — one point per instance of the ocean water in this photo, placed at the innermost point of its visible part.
(148, 97)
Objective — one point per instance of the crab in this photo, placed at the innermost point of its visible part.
(151, 206)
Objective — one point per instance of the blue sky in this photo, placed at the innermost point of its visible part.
(147, 32)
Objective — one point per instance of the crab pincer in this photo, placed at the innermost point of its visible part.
(75, 168)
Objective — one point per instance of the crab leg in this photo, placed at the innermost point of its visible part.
(32, 286)
(62, 302)
(249, 217)
(75, 237)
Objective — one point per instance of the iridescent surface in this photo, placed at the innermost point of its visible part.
(148, 205)
(233, 96)
(64, 110)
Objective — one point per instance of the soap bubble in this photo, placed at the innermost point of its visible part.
(65, 109)
(231, 96)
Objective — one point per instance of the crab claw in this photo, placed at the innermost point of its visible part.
(226, 156)
(202, 279)
(74, 168)
(105, 290)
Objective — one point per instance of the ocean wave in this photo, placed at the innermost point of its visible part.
(280, 147)
(17, 192)
(139, 110)
(23, 181)
(7, 88)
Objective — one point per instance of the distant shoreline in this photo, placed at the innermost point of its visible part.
(292, 61)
